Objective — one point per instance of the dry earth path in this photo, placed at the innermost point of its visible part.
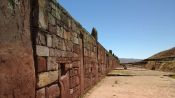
(141, 84)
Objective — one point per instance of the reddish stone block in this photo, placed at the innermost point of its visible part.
(42, 64)
(53, 91)
(40, 93)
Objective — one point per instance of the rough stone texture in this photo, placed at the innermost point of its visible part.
(49, 40)
(42, 51)
(41, 93)
(52, 64)
(42, 64)
(47, 78)
(17, 73)
(53, 91)
(41, 39)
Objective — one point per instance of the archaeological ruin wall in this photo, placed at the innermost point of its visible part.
(45, 53)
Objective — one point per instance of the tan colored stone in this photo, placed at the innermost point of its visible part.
(55, 52)
(52, 64)
(42, 16)
(42, 50)
(47, 78)
(60, 31)
(49, 40)
(40, 39)
(76, 41)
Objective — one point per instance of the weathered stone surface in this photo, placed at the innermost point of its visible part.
(41, 93)
(17, 73)
(53, 91)
(42, 50)
(57, 42)
(55, 52)
(41, 39)
(52, 20)
(43, 22)
(60, 31)
(76, 40)
(52, 64)
(47, 78)
(42, 64)
(49, 40)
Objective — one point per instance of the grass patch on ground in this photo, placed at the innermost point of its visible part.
(121, 72)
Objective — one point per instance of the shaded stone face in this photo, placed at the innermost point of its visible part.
(17, 73)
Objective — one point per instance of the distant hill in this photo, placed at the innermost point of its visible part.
(162, 61)
(164, 54)
(129, 60)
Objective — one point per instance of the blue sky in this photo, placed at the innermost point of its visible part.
(131, 28)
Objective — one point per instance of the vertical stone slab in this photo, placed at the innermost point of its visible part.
(17, 73)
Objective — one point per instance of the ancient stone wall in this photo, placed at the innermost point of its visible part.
(17, 72)
(69, 60)
(45, 53)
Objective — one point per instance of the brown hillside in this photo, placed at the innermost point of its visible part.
(164, 54)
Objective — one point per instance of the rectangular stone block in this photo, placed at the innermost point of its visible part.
(57, 42)
(53, 91)
(60, 31)
(43, 23)
(52, 29)
(49, 40)
(52, 64)
(55, 52)
(76, 41)
(41, 39)
(42, 64)
(47, 78)
(40, 93)
(42, 50)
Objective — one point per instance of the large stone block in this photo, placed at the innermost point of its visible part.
(43, 21)
(47, 78)
(53, 91)
(42, 50)
(41, 93)
(52, 64)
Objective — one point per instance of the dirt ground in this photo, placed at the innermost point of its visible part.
(141, 84)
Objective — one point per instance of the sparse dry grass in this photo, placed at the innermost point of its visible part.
(120, 72)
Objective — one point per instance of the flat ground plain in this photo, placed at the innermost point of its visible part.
(134, 83)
